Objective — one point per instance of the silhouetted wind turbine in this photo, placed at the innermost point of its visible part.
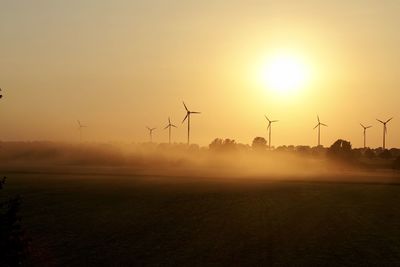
(1, 95)
(151, 133)
(269, 128)
(80, 129)
(188, 113)
(365, 134)
(384, 131)
(319, 130)
(169, 129)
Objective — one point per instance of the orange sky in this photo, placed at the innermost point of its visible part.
(121, 65)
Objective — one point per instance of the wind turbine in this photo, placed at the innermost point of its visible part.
(319, 130)
(269, 128)
(365, 134)
(169, 129)
(384, 131)
(1, 95)
(80, 126)
(151, 133)
(188, 113)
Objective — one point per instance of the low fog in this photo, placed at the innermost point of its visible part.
(179, 160)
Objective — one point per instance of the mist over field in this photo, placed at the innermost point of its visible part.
(181, 160)
(95, 204)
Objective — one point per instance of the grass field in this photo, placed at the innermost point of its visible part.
(95, 220)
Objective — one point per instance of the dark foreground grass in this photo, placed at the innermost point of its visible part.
(78, 220)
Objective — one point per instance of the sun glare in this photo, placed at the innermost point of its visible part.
(284, 74)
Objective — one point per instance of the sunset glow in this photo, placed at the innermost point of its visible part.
(121, 67)
(284, 74)
(199, 133)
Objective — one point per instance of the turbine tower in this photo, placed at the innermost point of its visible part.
(188, 113)
(269, 128)
(80, 126)
(365, 134)
(150, 133)
(384, 131)
(319, 130)
(169, 129)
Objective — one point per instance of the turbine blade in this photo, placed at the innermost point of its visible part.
(166, 127)
(318, 119)
(187, 114)
(173, 126)
(362, 126)
(316, 126)
(185, 106)
(389, 120)
(195, 112)
(267, 118)
(368, 127)
(275, 121)
(324, 125)
(169, 120)
(380, 121)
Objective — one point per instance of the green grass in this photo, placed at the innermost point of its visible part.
(83, 220)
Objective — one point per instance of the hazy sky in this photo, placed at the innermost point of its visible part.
(121, 65)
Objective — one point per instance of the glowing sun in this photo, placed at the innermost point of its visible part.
(284, 74)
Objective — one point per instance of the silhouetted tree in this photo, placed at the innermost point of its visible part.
(229, 144)
(215, 144)
(284, 148)
(13, 242)
(304, 150)
(281, 149)
(242, 147)
(341, 150)
(259, 143)
(222, 145)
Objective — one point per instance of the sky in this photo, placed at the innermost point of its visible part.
(119, 66)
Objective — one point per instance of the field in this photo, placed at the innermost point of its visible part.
(92, 219)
